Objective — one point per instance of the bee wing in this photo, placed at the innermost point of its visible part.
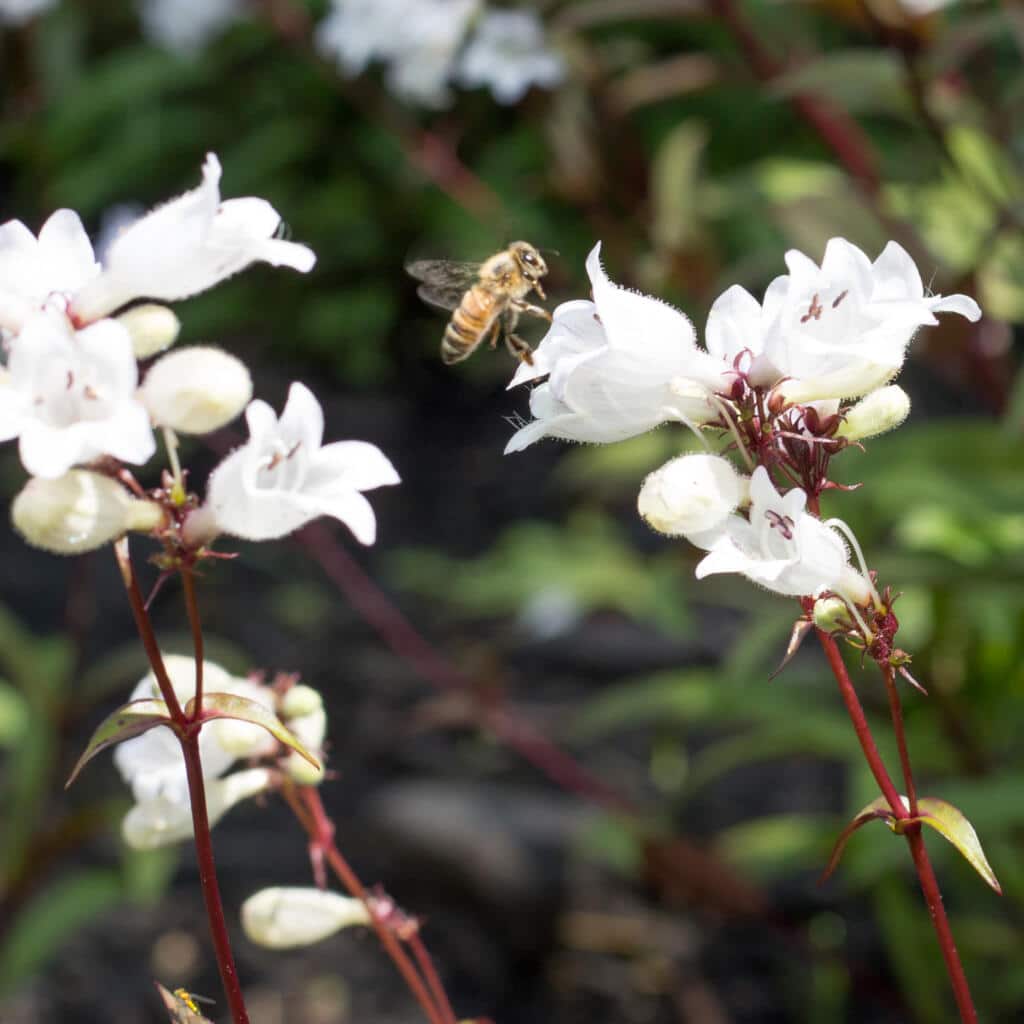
(444, 281)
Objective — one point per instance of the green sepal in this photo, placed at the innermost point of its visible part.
(129, 720)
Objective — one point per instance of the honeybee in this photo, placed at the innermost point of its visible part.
(181, 1005)
(487, 298)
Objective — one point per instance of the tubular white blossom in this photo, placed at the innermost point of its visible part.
(835, 331)
(80, 511)
(283, 477)
(877, 413)
(152, 327)
(160, 821)
(70, 397)
(691, 495)
(782, 547)
(508, 53)
(284, 918)
(614, 368)
(187, 246)
(196, 390)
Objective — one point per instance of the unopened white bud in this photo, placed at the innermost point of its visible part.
(80, 511)
(152, 328)
(310, 731)
(831, 613)
(196, 390)
(691, 495)
(283, 917)
(162, 821)
(850, 382)
(875, 414)
(300, 700)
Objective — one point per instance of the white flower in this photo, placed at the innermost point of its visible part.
(152, 764)
(196, 390)
(876, 413)
(17, 12)
(186, 246)
(508, 53)
(80, 511)
(161, 821)
(617, 367)
(782, 547)
(69, 397)
(185, 26)
(418, 39)
(691, 495)
(43, 272)
(283, 918)
(838, 331)
(283, 478)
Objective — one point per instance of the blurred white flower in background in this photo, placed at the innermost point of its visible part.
(186, 26)
(508, 52)
(427, 44)
(17, 12)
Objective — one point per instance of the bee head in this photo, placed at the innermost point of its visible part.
(530, 261)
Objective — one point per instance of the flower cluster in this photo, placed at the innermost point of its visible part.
(428, 44)
(154, 768)
(81, 388)
(786, 383)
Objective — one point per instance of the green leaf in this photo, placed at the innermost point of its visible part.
(132, 719)
(946, 819)
(951, 823)
(230, 705)
(14, 715)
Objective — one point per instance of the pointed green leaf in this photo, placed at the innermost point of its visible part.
(230, 705)
(949, 822)
(130, 720)
(876, 809)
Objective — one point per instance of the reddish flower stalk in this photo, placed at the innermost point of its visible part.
(187, 730)
(309, 810)
(912, 832)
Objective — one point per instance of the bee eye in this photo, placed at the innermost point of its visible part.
(528, 258)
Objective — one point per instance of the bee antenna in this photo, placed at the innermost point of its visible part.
(549, 252)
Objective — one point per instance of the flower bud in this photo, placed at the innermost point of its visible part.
(831, 614)
(283, 917)
(162, 821)
(80, 511)
(690, 495)
(196, 390)
(152, 328)
(310, 730)
(300, 700)
(875, 414)
(849, 382)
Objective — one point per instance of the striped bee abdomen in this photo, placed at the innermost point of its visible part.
(469, 325)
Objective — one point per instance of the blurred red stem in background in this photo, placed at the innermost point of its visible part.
(403, 638)
(912, 832)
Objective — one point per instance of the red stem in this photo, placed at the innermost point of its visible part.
(322, 837)
(896, 712)
(188, 736)
(192, 605)
(912, 832)
(441, 1000)
(208, 880)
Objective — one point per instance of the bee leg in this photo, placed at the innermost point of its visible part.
(526, 307)
(493, 338)
(520, 349)
(540, 291)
